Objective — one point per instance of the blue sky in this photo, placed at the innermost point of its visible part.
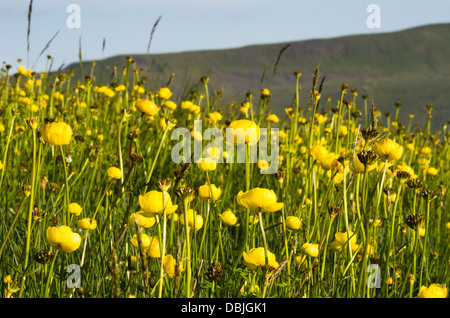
(192, 25)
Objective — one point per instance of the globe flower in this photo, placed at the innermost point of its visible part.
(155, 202)
(265, 92)
(56, 133)
(318, 152)
(329, 161)
(206, 164)
(75, 209)
(388, 149)
(170, 105)
(259, 199)
(114, 173)
(425, 150)
(310, 249)
(341, 241)
(228, 217)
(63, 238)
(147, 107)
(320, 118)
(272, 118)
(243, 131)
(215, 117)
(293, 223)
(190, 217)
(432, 171)
(148, 244)
(204, 192)
(433, 291)
(87, 224)
(255, 260)
(169, 265)
(138, 219)
(164, 93)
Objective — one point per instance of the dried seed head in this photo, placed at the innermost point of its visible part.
(44, 256)
(428, 195)
(415, 221)
(415, 184)
(215, 272)
(136, 158)
(403, 176)
(344, 87)
(345, 159)
(32, 122)
(367, 157)
(164, 185)
(186, 194)
(280, 176)
(369, 134)
(333, 210)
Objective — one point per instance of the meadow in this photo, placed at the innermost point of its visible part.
(93, 206)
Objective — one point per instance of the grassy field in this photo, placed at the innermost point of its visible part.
(94, 205)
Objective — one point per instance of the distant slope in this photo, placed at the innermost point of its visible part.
(411, 66)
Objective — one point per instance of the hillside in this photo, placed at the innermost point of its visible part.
(411, 66)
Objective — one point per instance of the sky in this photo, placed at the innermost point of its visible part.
(191, 25)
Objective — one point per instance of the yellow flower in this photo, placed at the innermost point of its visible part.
(190, 219)
(148, 244)
(228, 217)
(425, 150)
(170, 105)
(388, 149)
(138, 219)
(432, 171)
(310, 249)
(86, 224)
(1, 165)
(63, 238)
(204, 192)
(114, 173)
(154, 202)
(272, 118)
(340, 242)
(169, 264)
(320, 118)
(318, 152)
(255, 260)
(57, 133)
(265, 92)
(293, 223)
(433, 291)
(147, 107)
(259, 199)
(206, 164)
(186, 104)
(215, 117)
(164, 93)
(244, 131)
(75, 209)
(329, 161)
